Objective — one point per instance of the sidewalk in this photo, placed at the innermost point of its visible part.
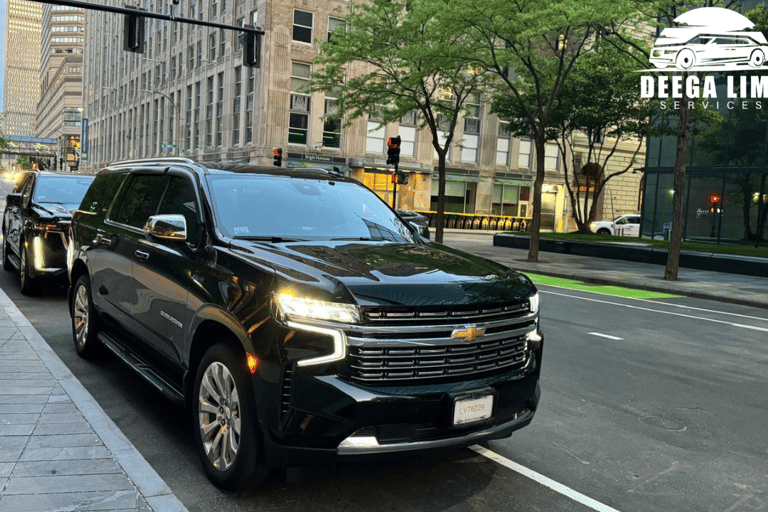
(719, 286)
(59, 451)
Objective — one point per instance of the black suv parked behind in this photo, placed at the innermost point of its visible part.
(297, 316)
(36, 225)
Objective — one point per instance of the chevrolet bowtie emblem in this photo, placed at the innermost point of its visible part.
(469, 333)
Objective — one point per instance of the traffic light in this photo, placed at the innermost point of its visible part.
(393, 153)
(714, 201)
(252, 49)
(277, 160)
(133, 32)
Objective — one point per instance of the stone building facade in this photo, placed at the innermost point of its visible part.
(189, 95)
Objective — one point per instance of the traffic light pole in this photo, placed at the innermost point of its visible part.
(394, 192)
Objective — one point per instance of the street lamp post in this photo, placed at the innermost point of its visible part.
(175, 119)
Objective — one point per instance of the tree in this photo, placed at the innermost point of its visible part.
(601, 103)
(395, 57)
(530, 47)
(662, 13)
(23, 162)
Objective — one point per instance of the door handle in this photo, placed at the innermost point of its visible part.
(103, 240)
(142, 255)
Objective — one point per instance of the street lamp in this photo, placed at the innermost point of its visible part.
(175, 118)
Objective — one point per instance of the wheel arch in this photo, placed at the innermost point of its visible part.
(213, 327)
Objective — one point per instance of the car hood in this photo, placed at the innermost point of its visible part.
(384, 273)
(59, 210)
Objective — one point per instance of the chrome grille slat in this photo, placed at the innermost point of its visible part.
(418, 338)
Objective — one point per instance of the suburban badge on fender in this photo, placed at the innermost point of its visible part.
(469, 333)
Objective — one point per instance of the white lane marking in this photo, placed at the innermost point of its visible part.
(616, 338)
(543, 480)
(762, 319)
(658, 311)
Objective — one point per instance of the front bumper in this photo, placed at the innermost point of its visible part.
(47, 253)
(330, 419)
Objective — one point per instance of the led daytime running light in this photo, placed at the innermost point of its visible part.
(533, 303)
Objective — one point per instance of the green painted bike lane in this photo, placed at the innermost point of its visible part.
(618, 291)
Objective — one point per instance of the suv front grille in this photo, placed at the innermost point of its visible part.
(425, 352)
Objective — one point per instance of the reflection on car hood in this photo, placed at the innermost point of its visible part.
(59, 210)
(385, 273)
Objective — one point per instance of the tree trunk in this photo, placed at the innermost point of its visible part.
(440, 197)
(678, 200)
(533, 249)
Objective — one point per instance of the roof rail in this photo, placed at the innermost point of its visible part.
(164, 160)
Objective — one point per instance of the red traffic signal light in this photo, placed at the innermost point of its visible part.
(393, 153)
(277, 160)
(714, 199)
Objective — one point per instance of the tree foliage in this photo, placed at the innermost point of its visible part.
(531, 48)
(396, 57)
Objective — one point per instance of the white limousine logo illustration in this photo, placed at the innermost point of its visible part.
(712, 39)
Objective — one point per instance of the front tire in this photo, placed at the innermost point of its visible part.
(757, 59)
(603, 231)
(85, 320)
(224, 418)
(27, 283)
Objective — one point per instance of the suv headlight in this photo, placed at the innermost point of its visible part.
(533, 303)
(303, 307)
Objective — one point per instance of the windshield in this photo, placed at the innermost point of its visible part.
(288, 208)
(61, 189)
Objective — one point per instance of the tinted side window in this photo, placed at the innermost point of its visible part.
(26, 189)
(180, 200)
(141, 200)
(100, 194)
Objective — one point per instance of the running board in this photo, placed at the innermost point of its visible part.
(136, 362)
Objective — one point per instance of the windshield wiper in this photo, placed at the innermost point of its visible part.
(273, 239)
(359, 238)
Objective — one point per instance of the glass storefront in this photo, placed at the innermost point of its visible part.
(460, 194)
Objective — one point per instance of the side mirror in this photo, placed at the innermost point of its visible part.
(13, 199)
(167, 227)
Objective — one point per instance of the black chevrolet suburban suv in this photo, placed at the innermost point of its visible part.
(297, 316)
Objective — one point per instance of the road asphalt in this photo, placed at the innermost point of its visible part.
(60, 451)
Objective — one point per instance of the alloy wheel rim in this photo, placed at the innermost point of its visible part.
(80, 316)
(219, 416)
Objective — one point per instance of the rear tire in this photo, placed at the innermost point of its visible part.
(757, 59)
(85, 320)
(7, 265)
(228, 439)
(603, 231)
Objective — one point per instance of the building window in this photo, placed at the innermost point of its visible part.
(502, 144)
(300, 104)
(335, 24)
(220, 110)
(381, 183)
(471, 130)
(197, 115)
(212, 50)
(199, 54)
(209, 114)
(239, 35)
(524, 154)
(214, 7)
(222, 39)
(443, 126)
(408, 124)
(506, 199)
(173, 67)
(374, 142)
(302, 26)
(459, 195)
(191, 58)
(551, 153)
(236, 106)
(188, 135)
(249, 106)
(331, 125)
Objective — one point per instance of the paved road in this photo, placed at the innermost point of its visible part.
(671, 416)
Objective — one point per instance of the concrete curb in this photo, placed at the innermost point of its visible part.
(151, 486)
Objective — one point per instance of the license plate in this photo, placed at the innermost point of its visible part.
(470, 410)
